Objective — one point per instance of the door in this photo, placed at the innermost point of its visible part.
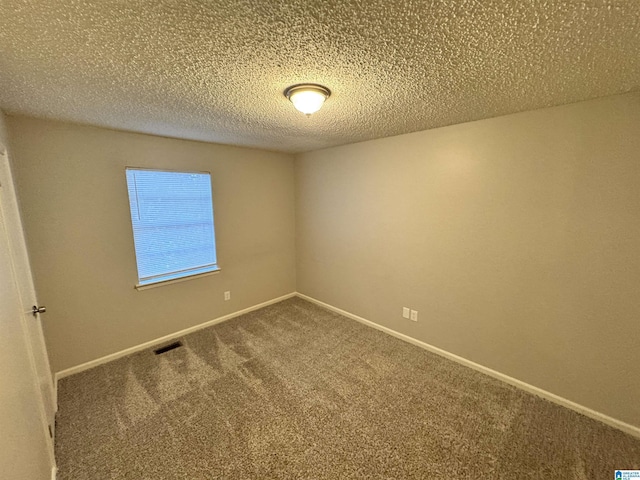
(16, 276)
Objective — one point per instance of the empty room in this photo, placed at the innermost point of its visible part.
(299, 239)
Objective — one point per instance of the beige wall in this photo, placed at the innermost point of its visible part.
(516, 238)
(4, 136)
(72, 190)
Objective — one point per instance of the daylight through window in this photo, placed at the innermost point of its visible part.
(172, 219)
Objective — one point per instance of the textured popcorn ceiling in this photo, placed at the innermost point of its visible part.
(215, 70)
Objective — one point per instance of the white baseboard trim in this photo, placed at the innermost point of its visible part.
(54, 472)
(172, 336)
(620, 425)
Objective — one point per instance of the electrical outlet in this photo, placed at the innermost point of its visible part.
(405, 312)
(227, 296)
(414, 315)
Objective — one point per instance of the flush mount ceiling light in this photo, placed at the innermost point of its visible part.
(307, 97)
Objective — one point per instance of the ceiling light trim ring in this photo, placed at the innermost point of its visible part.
(307, 86)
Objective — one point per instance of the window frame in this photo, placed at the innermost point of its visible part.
(213, 269)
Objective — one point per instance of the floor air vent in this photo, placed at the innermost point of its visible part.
(166, 348)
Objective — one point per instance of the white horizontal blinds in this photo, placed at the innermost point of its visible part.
(172, 218)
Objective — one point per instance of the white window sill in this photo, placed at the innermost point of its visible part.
(175, 280)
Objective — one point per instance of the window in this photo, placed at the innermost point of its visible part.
(172, 218)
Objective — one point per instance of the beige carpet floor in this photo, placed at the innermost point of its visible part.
(295, 391)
